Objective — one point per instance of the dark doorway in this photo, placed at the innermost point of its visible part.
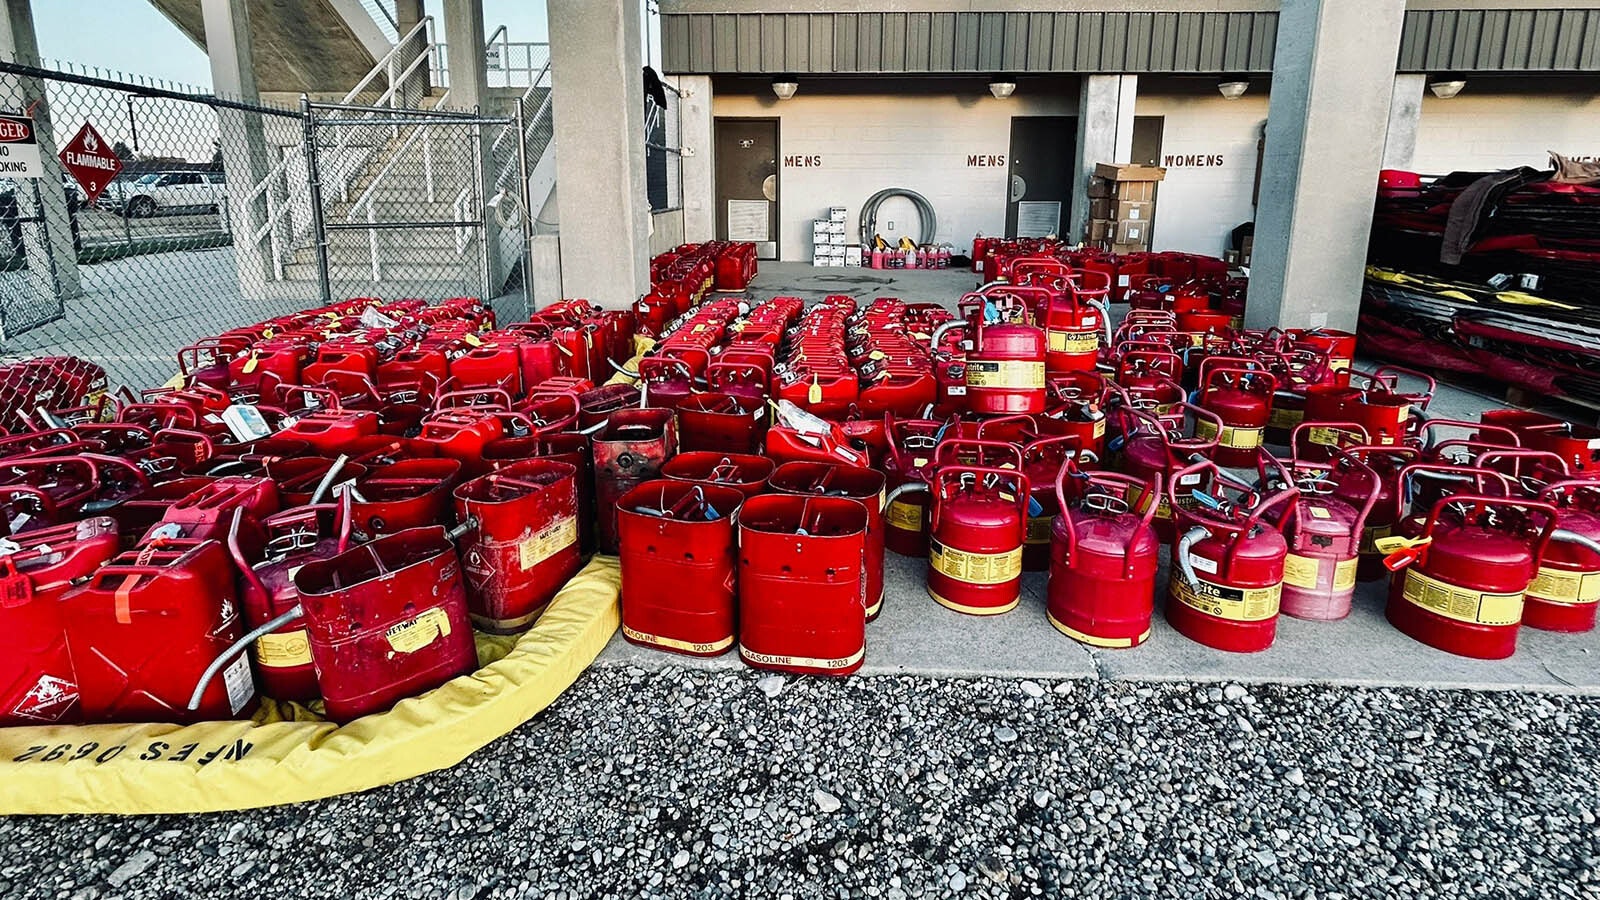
(1147, 140)
(747, 182)
(1043, 153)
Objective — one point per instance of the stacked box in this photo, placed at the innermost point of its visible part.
(1122, 206)
(828, 239)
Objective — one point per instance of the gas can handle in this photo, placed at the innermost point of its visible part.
(1020, 418)
(947, 448)
(1519, 455)
(942, 480)
(1402, 498)
(1211, 374)
(1483, 501)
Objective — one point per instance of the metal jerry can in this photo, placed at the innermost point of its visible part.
(1462, 577)
(1227, 573)
(37, 683)
(628, 451)
(746, 472)
(387, 620)
(802, 584)
(678, 559)
(978, 525)
(147, 625)
(1103, 558)
(523, 544)
(862, 485)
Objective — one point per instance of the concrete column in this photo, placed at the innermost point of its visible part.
(599, 120)
(1405, 115)
(699, 160)
(1105, 135)
(1332, 78)
(52, 261)
(469, 89)
(407, 13)
(246, 158)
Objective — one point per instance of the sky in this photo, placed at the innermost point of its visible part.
(96, 33)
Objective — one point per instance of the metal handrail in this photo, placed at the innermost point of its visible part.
(366, 196)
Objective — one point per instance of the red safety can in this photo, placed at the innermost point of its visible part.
(978, 524)
(1103, 558)
(387, 620)
(678, 566)
(802, 584)
(746, 472)
(522, 547)
(863, 485)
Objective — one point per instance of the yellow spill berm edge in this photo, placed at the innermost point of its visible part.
(288, 755)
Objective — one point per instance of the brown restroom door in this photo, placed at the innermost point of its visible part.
(747, 182)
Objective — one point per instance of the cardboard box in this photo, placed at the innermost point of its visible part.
(1247, 248)
(852, 255)
(1129, 248)
(1100, 230)
(1132, 231)
(1134, 191)
(1099, 188)
(1129, 172)
(836, 228)
(1137, 210)
(1102, 208)
(836, 240)
(837, 214)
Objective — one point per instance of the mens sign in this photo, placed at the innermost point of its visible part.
(19, 148)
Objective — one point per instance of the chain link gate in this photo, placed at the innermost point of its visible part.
(417, 203)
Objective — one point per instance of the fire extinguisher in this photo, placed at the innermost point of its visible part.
(978, 524)
(1227, 578)
(1103, 558)
(1461, 582)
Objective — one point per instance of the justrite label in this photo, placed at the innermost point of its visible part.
(1562, 586)
(1461, 604)
(904, 516)
(975, 568)
(1005, 373)
(1231, 603)
(1074, 341)
(1235, 437)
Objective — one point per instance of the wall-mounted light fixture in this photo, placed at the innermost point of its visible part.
(1445, 88)
(785, 89)
(1233, 88)
(1001, 88)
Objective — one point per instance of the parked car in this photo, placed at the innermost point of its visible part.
(164, 192)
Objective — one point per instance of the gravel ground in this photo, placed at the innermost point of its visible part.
(699, 784)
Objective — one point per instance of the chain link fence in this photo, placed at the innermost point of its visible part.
(216, 221)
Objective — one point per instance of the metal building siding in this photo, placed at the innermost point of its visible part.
(1500, 40)
(1440, 40)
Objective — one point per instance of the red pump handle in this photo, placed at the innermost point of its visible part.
(328, 398)
(1388, 377)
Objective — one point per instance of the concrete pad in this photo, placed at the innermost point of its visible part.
(914, 635)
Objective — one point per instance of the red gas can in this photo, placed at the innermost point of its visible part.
(678, 566)
(524, 546)
(37, 682)
(862, 485)
(1227, 573)
(1103, 558)
(746, 472)
(628, 451)
(1005, 369)
(978, 524)
(801, 584)
(1566, 591)
(387, 620)
(145, 628)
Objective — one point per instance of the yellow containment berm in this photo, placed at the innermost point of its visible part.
(288, 754)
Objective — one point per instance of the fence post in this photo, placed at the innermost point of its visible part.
(319, 232)
(524, 213)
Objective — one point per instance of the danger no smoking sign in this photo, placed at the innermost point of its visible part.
(19, 148)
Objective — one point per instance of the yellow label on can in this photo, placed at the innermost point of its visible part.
(1235, 437)
(1039, 528)
(1074, 341)
(716, 646)
(1370, 537)
(1005, 373)
(1099, 428)
(1331, 437)
(1300, 571)
(904, 516)
(413, 635)
(1563, 586)
(283, 650)
(547, 542)
(1344, 574)
(975, 568)
(1231, 603)
(1286, 419)
(1461, 604)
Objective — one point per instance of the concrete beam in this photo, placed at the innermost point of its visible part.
(1331, 85)
(52, 258)
(1105, 135)
(699, 159)
(599, 120)
(1405, 116)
